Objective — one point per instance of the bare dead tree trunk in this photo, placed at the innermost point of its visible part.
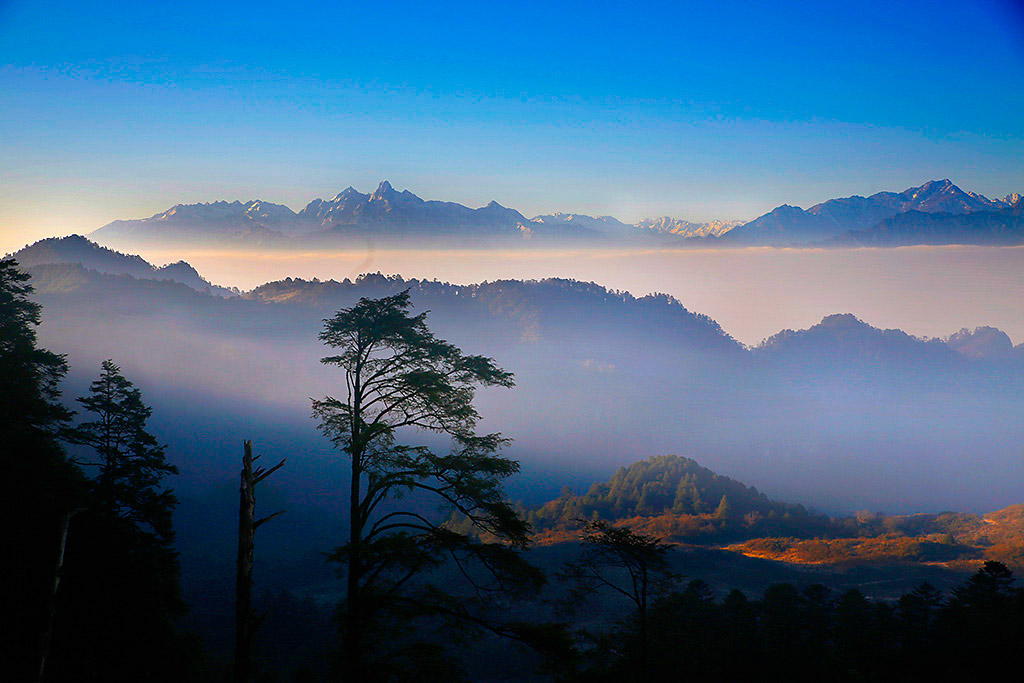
(58, 569)
(246, 622)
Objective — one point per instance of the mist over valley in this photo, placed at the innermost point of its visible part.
(842, 416)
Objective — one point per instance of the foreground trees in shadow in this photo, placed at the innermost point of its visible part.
(246, 619)
(619, 560)
(814, 634)
(40, 488)
(419, 580)
(409, 574)
(120, 596)
(106, 612)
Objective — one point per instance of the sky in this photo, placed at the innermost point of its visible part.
(698, 110)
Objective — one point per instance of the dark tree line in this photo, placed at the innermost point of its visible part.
(814, 634)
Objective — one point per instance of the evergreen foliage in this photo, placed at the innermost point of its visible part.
(121, 595)
(398, 375)
(39, 486)
(131, 463)
(112, 616)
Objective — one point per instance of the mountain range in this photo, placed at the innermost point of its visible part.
(992, 227)
(792, 226)
(385, 213)
(937, 212)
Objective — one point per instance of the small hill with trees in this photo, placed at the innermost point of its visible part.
(676, 498)
(679, 501)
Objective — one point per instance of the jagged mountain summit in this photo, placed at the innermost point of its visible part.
(789, 225)
(387, 209)
(254, 221)
(386, 212)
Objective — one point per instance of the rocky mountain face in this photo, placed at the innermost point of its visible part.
(253, 222)
(385, 213)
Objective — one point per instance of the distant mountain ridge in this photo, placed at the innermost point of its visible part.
(537, 305)
(844, 339)
(603, 224)
(792, 226)
(384, 213)
(389, 210)
(990, 227)
(403, 218)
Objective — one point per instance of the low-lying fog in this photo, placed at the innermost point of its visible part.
(752, 293)
(601, 381)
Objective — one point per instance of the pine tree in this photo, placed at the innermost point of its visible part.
(131, 462)
(123, 592)
(29, 376)
(398, 376)
(724, 509)
(40, 487)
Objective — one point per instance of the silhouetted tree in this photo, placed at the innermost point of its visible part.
(121, 595)
(630, 564)
(246, 621)
(39, 487)
(916, 612)
(131, 463)
(398, 375)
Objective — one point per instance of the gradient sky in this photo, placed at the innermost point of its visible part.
(696, 110)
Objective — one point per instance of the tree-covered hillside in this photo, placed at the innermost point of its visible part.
(677, 498)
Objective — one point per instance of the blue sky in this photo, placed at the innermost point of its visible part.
(697, 110)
